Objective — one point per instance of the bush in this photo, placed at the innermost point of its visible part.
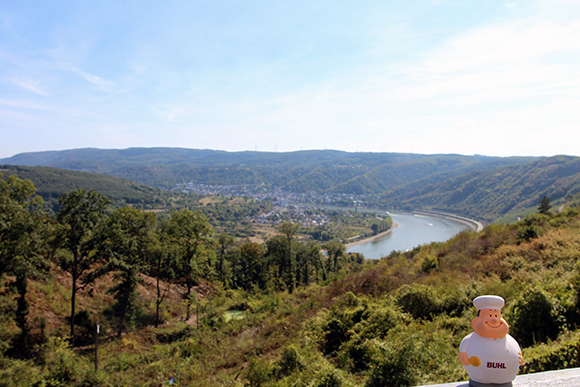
(62, 366)
(330, 377)
(418, 300)
(259, 373)
(335, 333)
(536, 318)
(357, 354)
(554, 356)
(19, 373)
(379, 321)
(394, 369)
(429, 263)
(291, 361)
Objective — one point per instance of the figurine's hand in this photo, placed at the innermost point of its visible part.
(464, 358)
(521, 358)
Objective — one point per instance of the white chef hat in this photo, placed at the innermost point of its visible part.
(488, 302)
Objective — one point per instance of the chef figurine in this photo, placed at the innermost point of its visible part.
(490, 356)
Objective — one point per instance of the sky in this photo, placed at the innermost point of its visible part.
(497, 78)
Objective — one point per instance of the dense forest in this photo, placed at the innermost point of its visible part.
(178, 303)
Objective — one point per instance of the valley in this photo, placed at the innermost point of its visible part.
(241, 276)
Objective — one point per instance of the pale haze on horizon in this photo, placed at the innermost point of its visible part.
(498, 78)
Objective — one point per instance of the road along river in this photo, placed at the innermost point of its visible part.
(412, 230)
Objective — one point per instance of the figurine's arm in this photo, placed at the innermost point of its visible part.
(463, 351)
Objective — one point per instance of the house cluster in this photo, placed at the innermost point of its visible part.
(275, 194)
(294, 214)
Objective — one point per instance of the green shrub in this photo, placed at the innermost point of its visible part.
(553, 356)
(358, 354)
(418, 300)
(19, 373)
(290, 361)
(335, 333)
(536, 318)
(394, 368)
(329, 377)
(259, 373)
(62, 366)
(379, 321)
(429, 263)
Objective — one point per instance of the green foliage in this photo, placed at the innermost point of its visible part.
(397, 321)
(291, 361)
(63, 367)
(259, 373)
(544, 206)
(20, 373)
(329, 377)
(24, 232)
(553, 356)
(52, 183)
(125, 240)
(418, 300)
(80, 213)
(537, 317)
(189, 233)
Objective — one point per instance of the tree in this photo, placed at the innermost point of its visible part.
(252, 265)
(126, 240)
(160, 259)
(224, 241)
(544, 206)
(190, 232)
(307, 259)
(288, 230)
(23, 232)
(335, 250)
(80, 213)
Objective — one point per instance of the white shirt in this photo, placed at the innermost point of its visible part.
(500, 359)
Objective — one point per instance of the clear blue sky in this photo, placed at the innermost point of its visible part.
(459, 76)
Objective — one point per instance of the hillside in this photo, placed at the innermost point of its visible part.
(393, 322)
(52, 182)
(301, 171)
(505, 190)
(485, 188)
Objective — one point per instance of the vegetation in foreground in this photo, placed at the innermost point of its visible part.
(393, 322)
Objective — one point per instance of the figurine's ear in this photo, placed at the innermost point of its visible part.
(474, 321)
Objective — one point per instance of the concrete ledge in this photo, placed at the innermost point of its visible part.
(561, 378)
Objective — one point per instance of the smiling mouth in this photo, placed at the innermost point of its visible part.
(494, 327)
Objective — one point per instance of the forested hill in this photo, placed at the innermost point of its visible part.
(317, 170)
(51, 183)
(494, 193)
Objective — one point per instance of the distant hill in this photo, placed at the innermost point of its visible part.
(494, 193)
(317, 170)
(52, 182)
(478, 186)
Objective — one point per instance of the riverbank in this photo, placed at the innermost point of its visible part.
(472, 223)
(373, 238)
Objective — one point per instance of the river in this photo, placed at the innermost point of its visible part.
(413, 230)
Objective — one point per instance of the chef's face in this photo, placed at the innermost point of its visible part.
(489, 323)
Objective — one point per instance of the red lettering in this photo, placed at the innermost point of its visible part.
(496, 365)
